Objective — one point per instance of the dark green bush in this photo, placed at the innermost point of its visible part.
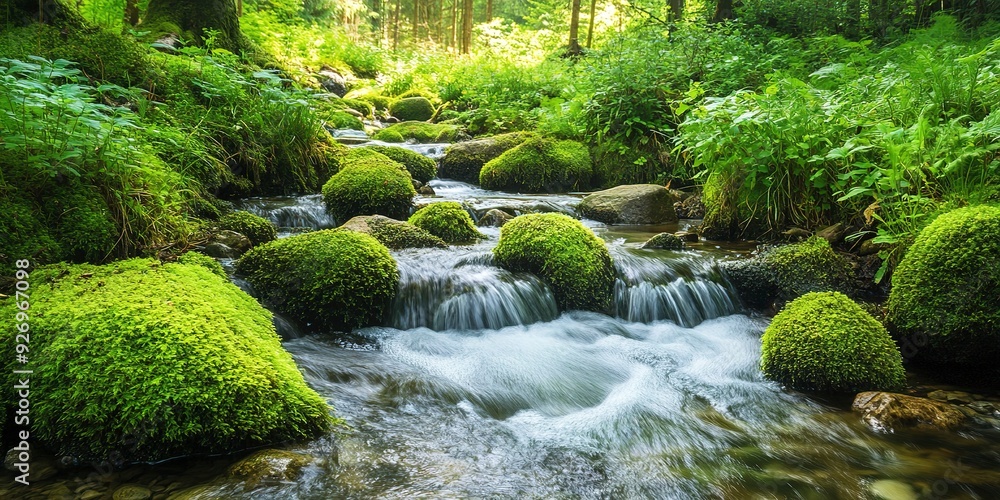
(825, 341)
(331, 279)
(463, 161)
(419, 166)
(412, 109)
(562, 252)
(256, 228)
(538, 166)
(369, 183)
(447, 220)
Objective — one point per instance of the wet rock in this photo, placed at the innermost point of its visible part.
(985, 407)
(394, 234)
(687, 236)
(269, 466)
(954, 397)
(426, 190)
(690, 207)
(89, 495)
(886, 411)
(834, 234)
(132, 492)
(417, 184)
(665, 241)
(332, 82)
(58, 490)
(892, 490)
(630, 204)
(463, 161)
(168, 43)
(494, 218)
(869, 247)
(226, 245)
(201, 492)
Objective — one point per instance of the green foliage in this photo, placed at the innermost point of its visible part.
(825, 341)
(331, 279)
(539, 165)
(419, 166)
(447, 220)
(418, 131)
(369, 183)
(412, 109)
(256, 228)
(360, 105)
(22, 235)
(206, 372)
(463, 161)
(947, 287)
(200, 259)
(562, 252)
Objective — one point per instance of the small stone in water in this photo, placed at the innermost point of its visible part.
(132, 492)
(887, 489)
(955, 397)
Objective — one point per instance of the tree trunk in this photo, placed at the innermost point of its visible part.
(676, 9)
(132, 12)
(574, 30)
(454, 23)
(194, 18)
(466, 26)
(25, 12)
(395, 27)
(489, 10)
(590, 29)
(723, 11)
(416, 20)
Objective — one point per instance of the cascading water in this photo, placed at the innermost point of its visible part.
(301, 212)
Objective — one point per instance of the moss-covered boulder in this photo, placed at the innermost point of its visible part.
(412, 109)
(783, 273)
(419, 131)
(447, 220)
(947, 288)
(630, 204)
(464, 160)
(889, 412)
(394, 234)
(664, 241)
(539, 166)
(369, 183)
(328, 280)
(419, 166)
(256, 228)
(562, 252)
(140, 360)
(269, 467)
(825, 341)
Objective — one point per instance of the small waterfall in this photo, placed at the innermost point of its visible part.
(685, 290)
(291, 212)
(434, 151)
(459, 289)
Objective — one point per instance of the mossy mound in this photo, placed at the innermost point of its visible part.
(564, 253)
(329, 280)
(256, 228)
(539, 166)
(729, 203)
(464, 160)
(394, 234)
(447, 220)
(784, 273)
(664, 241)
(143, 361)
(22, 235)
(419, 166)
(825, 341)
(418, 131)
(361, 106)
(369, 183)
(947, 287)
(412, 109)
(200, 259)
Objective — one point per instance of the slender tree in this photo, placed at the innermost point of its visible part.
(489, 10)
(466, 26)
(395, 27)
(416, 20)
(676, 9)
(590, 29)
(454, 23)
(574, 30)
(132, 12)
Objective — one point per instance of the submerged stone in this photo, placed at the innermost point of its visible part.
(888, 412)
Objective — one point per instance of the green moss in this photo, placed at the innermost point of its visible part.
(412, 109)
(616, 163)
(418, 131)
(379, 102)
(664, 241)
(825, 341)
(331, 279)
(339, 120)
(564, 253)
(426, 94)
(447, 220)
(359, 105)
(419, 166)
(82, 222)
(200, 259)
(394, 234)
(146, 361)
(729, 203)
(256, 228)
(539, 166)
(947, 287)
(23, 236)
(464, 160)
(368, 183)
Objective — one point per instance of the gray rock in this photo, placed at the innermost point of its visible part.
(231, 239)
(834, 234)
(494, 218)
(426, 190)
(887, 412)
(630, 204)
(269, 467)
(690, 207)
(332, 82)
(687, 236)
(665, 241)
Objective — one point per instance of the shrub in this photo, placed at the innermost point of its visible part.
(447, 220)
(200, 259)
(419, 166)
(537, 166)
(412, 109)
(330, 279)
(256, 228)
(948, 287)
(368, 183)
(562, 252)
(825, 341)
(464, 160)
(143, 361)
(418, 131)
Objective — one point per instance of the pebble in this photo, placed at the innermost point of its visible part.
(887, 489)
(132, 492)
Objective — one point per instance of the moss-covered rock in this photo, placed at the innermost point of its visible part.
(419, 166)
(825, 341)
(947, 287)
(369, 183)
(200, 259)
(412, 109)
(664, 241)
(419, 131)
(331, 279)
(269, 467)
(22, 236)
(464, 160)
(539, 166)
(630, 204)
(447, 220)
(365, 108)
(258, 229)
(140, 360)
(784, 273)
(394, 234)
(562, 252)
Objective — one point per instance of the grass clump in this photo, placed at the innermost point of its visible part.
(464, 160)
(205, 370)
(418, 131)
(369, 183)
(256, 228)
(447, 220)
(825, 341)
(562, 252)
(539, 166)
(329, 280)
(419, 166)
